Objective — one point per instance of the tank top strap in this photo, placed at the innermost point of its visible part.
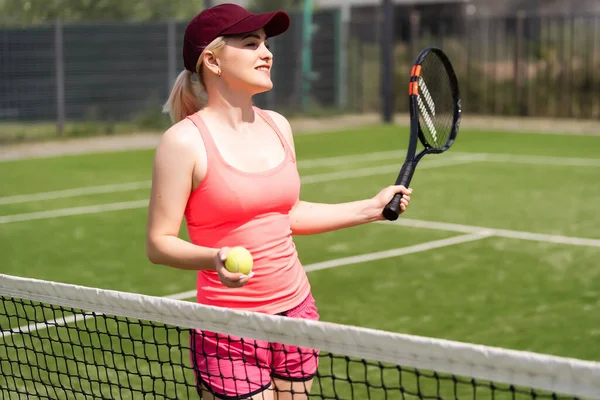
(212, 150)
(209, 143)
(264, 115)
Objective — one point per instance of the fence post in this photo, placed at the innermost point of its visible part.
(342, 44)
(518, 70)
(415, 28)
(570, 68)
(60, 76)
(171, 54)
(307, 31)
(387, 49)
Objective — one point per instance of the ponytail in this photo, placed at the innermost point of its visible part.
(183, 100)
(187, 96)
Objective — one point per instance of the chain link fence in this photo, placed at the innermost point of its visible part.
(527, 64)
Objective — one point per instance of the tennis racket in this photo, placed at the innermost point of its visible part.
(435, 112)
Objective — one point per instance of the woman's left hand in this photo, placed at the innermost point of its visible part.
(385, 196)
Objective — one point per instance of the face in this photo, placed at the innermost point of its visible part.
(246, 62)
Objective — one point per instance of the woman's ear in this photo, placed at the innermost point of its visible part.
(211, 62)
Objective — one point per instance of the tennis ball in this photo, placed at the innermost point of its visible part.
(239, 260)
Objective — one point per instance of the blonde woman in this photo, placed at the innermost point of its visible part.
(229, 168)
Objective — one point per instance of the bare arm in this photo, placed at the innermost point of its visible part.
(307, 218)
(172, 177)
(172, 171)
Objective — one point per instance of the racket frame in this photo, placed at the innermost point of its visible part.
(392, 209)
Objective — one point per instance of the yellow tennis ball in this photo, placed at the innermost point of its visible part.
(239, 260)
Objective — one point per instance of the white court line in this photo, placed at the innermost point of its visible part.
(539, 237)
(124, 187)
(308, 268)
(65, 212)
(317, 178)
(309, 179)
(487, 157)
(529, 159)
(380, 170)
(398, 252)
(398, 154)
(319, 162)
(81, 191)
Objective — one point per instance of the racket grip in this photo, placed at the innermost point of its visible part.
(392, 210)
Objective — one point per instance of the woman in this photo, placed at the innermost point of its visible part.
(230, 169)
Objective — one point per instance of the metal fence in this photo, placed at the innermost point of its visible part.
(116, 71)
(521, 64)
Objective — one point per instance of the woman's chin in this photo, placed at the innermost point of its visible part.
(261, 87)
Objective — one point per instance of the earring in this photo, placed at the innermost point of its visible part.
(219, 73)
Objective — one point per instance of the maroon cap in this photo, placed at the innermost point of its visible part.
(227, 19)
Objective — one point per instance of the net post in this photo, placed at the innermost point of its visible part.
(387, 49)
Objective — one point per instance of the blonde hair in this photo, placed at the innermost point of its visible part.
(188, 96)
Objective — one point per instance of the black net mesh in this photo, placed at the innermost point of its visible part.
(435, 102)
(52, 352)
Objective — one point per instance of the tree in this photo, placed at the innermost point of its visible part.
(30, 12)
(272, 5)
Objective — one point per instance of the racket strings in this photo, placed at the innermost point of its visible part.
(435, 102)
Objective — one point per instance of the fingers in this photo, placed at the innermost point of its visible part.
(243, 279)
(236, 277)
(404, 202)
(235, 280)
(402, 189)
(228, 278)
(405, 199)
(223, 254)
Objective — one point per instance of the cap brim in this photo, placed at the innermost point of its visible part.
(275, 23)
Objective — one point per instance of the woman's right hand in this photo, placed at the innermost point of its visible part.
(227, 278)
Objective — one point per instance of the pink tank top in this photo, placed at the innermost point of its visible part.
(237, 208)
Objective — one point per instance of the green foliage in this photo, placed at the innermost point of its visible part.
(33, 12)
(272, 5)
(29, 12)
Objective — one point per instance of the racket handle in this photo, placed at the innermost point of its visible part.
(392, 210)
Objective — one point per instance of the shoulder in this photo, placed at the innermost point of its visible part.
(180, 142)
(181, 135)
(283, 124)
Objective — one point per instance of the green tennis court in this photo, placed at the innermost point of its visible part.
(500, 245)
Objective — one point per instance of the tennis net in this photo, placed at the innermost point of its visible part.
(60, 341)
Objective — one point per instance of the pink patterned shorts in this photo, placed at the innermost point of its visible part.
(232, 367)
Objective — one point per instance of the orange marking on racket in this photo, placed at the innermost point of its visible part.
(415, 88)
(417, 72)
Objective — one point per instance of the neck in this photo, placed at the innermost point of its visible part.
(231, 109)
